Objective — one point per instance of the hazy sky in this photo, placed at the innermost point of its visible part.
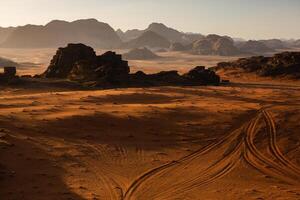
(250, 19)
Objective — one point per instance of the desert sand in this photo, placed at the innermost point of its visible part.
(235, 141)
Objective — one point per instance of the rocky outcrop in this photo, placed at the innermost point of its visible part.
(79, 63)
(65, 58)
(60, 33)
(282, 64)
(215, 45)
(148, 39)
(140, 54)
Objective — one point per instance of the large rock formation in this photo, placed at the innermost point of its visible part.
(148, 39)
(140, 54)
(60, 33)
(65, 58)
(79, 62)
(215, 45)
(282, 64)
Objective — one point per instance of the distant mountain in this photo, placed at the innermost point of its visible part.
(140, 54)
(5, 32)
(130, 34)
(59, 33)
(297, 43)
(170, 34)
(254, 47)
(215, 45)
(148, 39)
(274, 43)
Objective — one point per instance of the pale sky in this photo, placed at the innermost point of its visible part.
(249, 19)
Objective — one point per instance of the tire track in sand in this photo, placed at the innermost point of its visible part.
(244, 149)
(274, 147)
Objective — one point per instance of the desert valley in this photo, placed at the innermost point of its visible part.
(92, 112)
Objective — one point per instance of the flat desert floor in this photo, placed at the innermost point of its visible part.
(234, 141)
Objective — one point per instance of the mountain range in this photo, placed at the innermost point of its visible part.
(59, 33)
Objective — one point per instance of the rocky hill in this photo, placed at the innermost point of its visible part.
(140, 54)
(148, 39)
(215, 45)
(59, 33)
(79, 63)
(286, 64)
